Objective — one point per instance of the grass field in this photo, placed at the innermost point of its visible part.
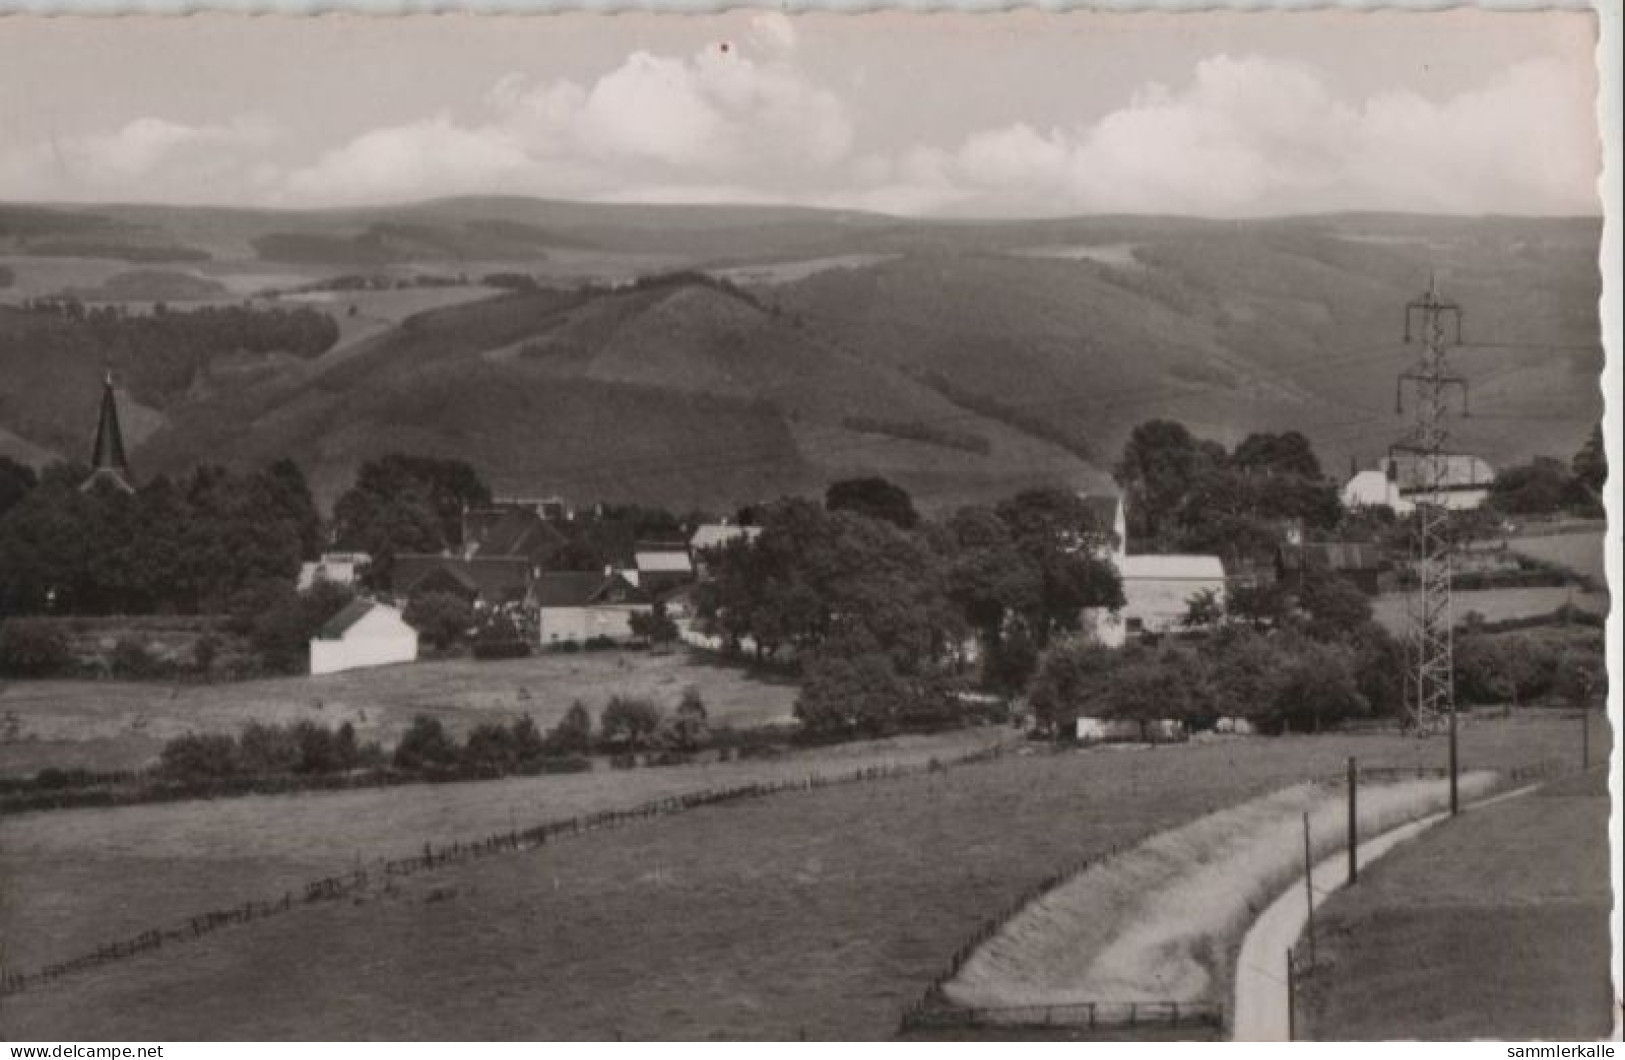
(1495, 925)
(77, 878)
(1581, 553)
(1495, 604)
(123, 725)
(825, 912)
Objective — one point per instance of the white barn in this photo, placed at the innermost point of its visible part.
(364, 633)
(1399, 482)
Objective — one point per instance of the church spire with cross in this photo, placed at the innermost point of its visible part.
(108, 463)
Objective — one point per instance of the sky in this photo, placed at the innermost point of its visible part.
(1224, 114)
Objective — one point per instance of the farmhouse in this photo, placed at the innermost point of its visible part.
(334, 568)
(510, 532)
(662, 568)
(1157, 590)
(484, 582)
(1400, 481)
(577, 606)
(364, 633)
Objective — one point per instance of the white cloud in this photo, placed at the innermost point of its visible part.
(715, 119)
(178, 162)
(1260, 136)
(1243, 136)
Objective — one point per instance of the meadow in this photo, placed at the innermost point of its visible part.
(824, 913)
(78, 878)
(1495, 605)
(1492, 926)
(111, 725)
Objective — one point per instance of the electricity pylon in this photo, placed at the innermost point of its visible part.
(1430, 678)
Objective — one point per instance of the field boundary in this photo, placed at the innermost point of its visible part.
(349, 884)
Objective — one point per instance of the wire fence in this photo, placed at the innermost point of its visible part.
(346, 885)
(1084, 1015)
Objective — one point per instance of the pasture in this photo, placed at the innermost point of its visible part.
(108, 725)
(1581, 552)
(1492, 926)
(77, 878)
(824, 912)
(1389, 609)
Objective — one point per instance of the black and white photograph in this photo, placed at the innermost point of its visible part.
(792, 525)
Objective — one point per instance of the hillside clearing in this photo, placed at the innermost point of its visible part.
(826, 911)
(107, 725)
(1494, 925)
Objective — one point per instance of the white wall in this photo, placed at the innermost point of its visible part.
(379, 639)
(559, 624)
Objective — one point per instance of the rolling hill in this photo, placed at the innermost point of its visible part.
(964, 359)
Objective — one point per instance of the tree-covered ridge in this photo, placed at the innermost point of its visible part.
(158, 355)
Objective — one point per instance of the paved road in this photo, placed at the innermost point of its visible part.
(1260, 1013)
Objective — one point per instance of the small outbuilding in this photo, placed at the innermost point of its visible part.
(364, 633)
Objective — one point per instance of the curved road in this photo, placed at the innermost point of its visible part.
(1260, 1012)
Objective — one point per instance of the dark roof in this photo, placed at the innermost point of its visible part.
(351, 613)
(584, 588)
(510, 532)
(108, 463)
(492, 579)
(1332, 555)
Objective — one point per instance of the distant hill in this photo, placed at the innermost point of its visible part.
(965, 359)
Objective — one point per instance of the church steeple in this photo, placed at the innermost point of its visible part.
(107, 460)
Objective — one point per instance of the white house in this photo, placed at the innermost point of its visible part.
(1130, 730)
(579, 606)
(1400, 481)
(1157, 591)
(337, 568)
(365, 633)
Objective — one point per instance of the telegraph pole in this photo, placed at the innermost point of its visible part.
(1434, 324)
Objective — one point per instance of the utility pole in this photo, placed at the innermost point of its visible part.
(1354, 821)
(1309, 889)
(1430, 676)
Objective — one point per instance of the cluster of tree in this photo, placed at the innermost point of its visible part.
(875, 605)
(302, 748)
(159, 354)
(1521, 668)
(1189, 495)
(1306, 662)
(627, 724)
(1546, 485)
(406, 504)
(186, 546)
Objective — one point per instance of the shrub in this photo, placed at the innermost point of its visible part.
(490, 746)
(600, 643)
(442, 618)
(32, 648)
(425, 746)
(193, 758)
(265, 750)
(132, 658)
(528, 743)
(687, 730)
(628, 723)
(573, 734)
(204, 652)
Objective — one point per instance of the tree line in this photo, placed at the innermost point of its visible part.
(158, 355)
